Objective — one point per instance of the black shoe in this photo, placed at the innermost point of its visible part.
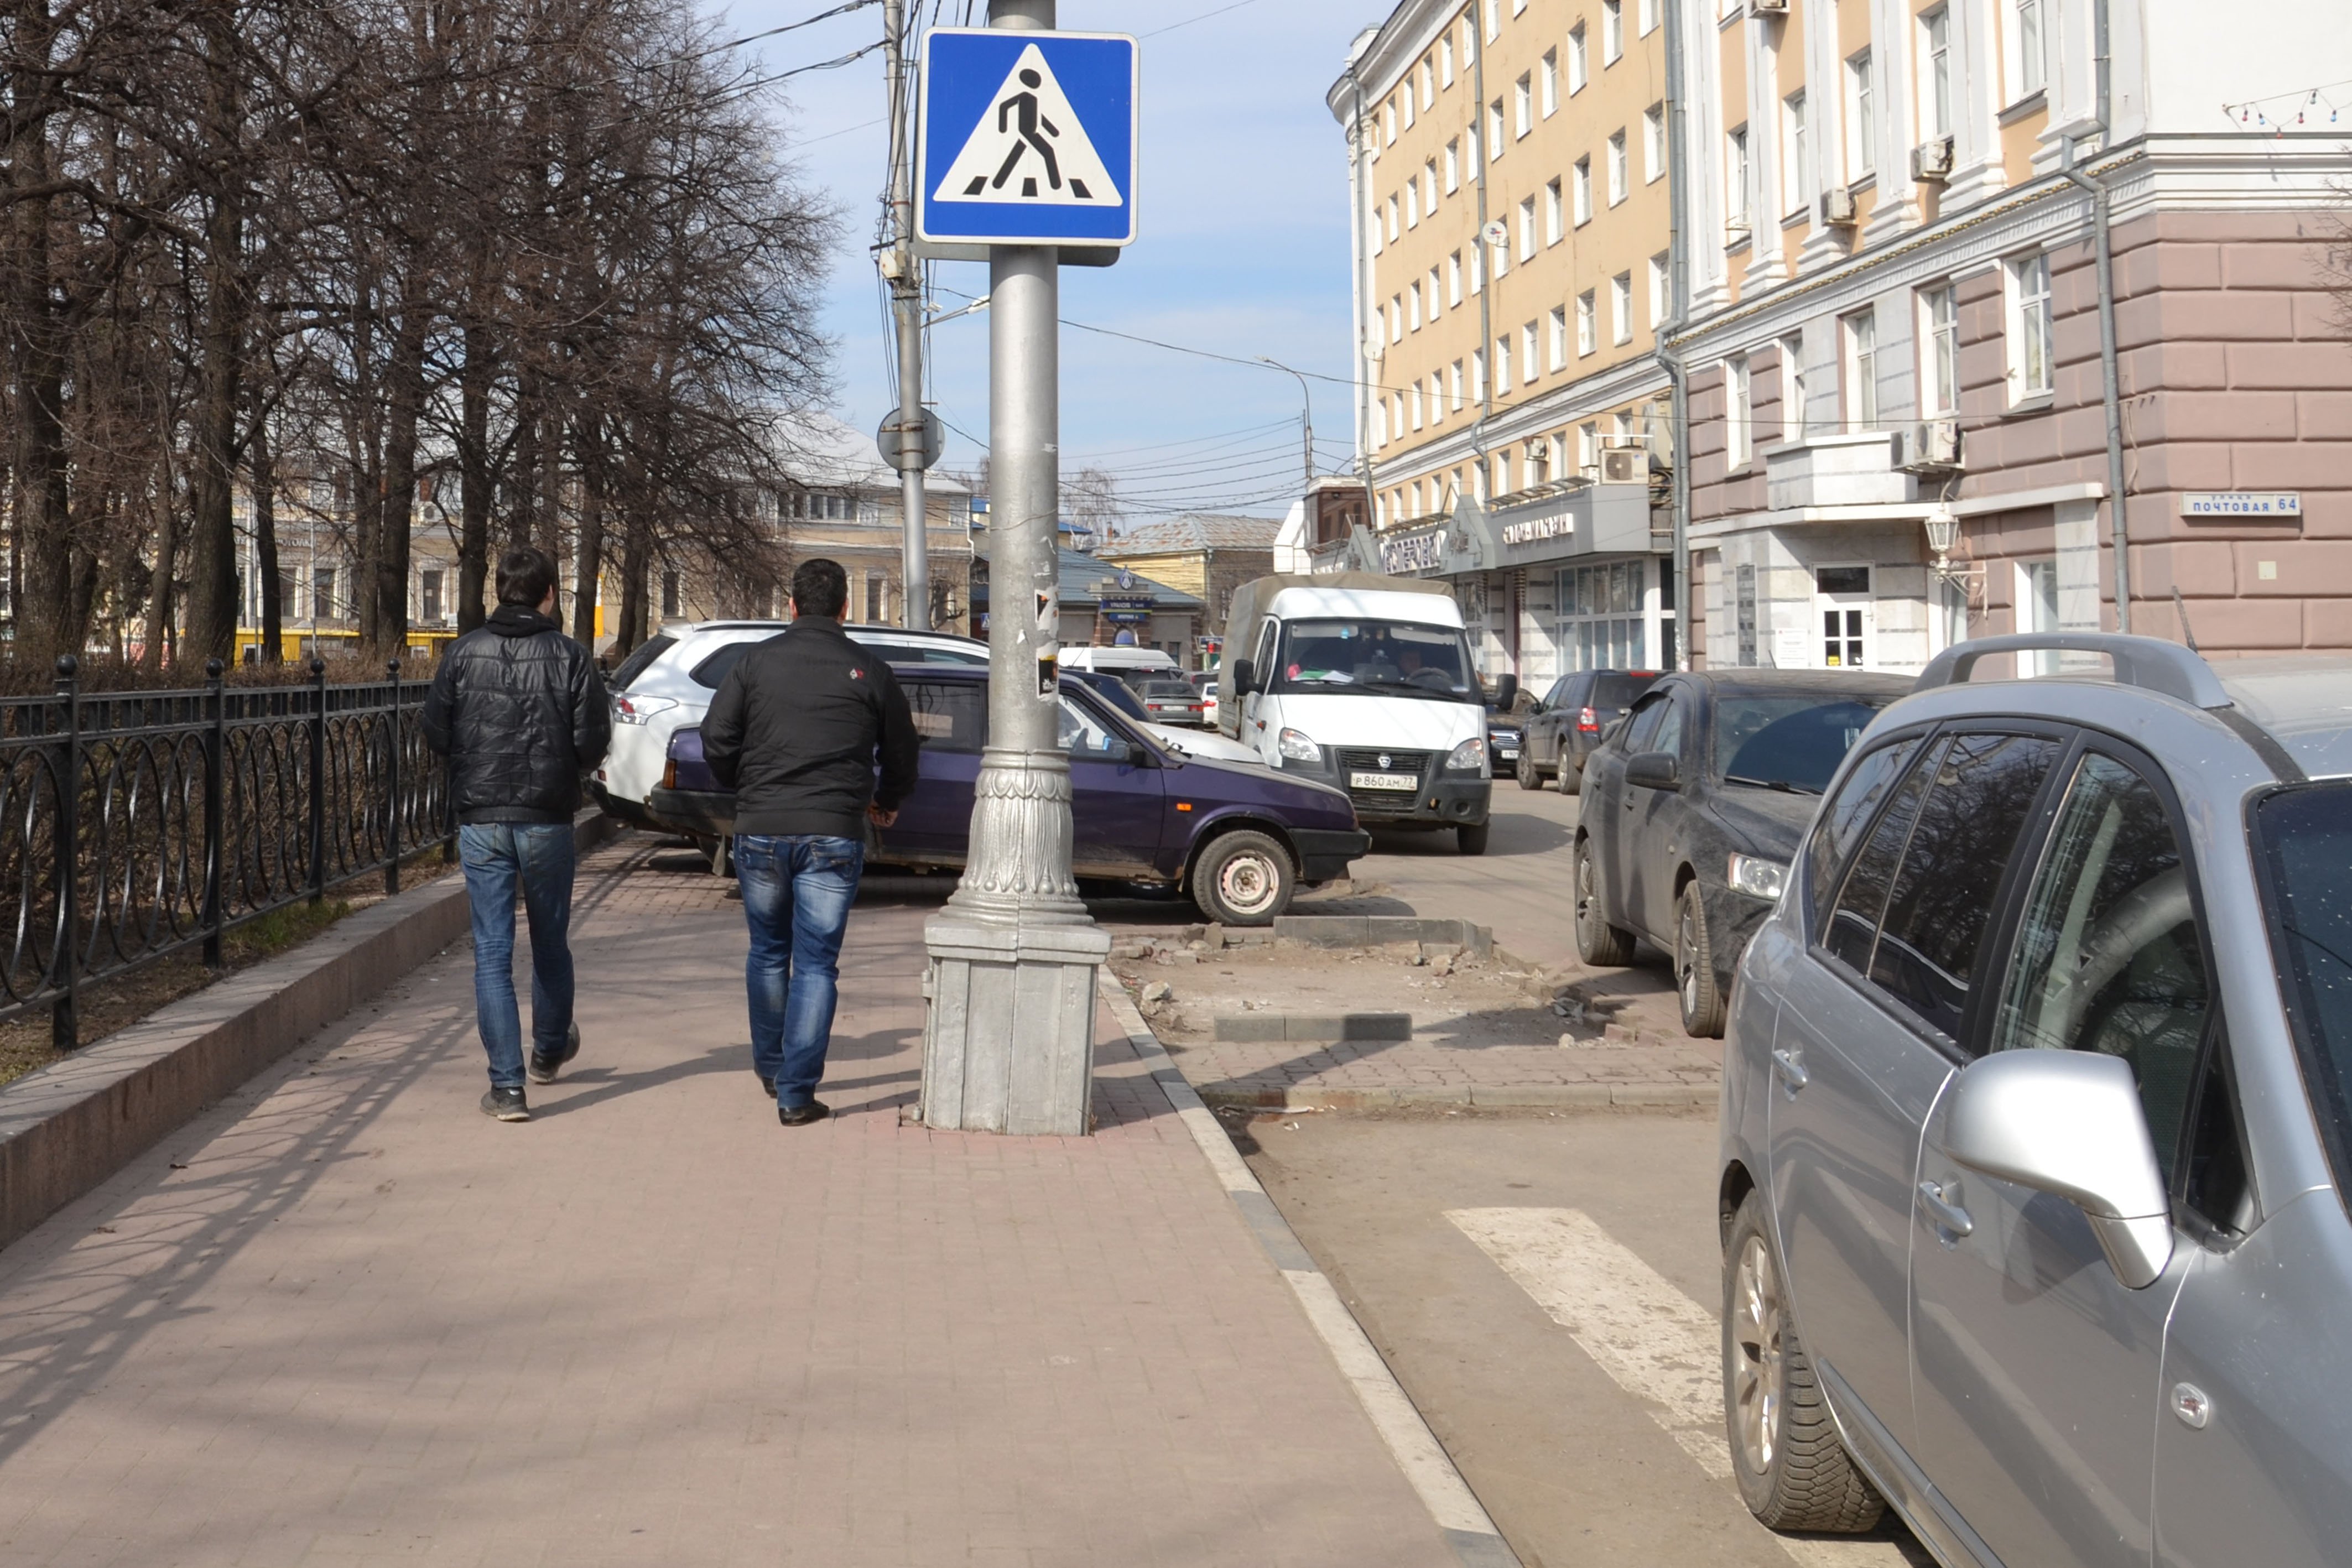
(767, 1086)
(801, 1115)
(506, 1104)
(543, 1070)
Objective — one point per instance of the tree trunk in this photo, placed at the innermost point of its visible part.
(160, 578)
(477, 479)
(406, 392)
(522, 479)
(265, 545)
(635, 562)
(212, 540)
(589, 560)
(36, 352)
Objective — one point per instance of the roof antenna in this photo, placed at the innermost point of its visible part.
(2182, 606)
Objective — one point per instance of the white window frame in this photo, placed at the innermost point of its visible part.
(1845, 606)
(1393, 229)
(1659, 278)
(1453, 166)
(1479, 375)
(1612, 32)
(1523, 103)
(1413, 399)
(2025, 31)
(1620, 307)
(1396, 318)
(1556, 340)
(1412, 204)
(1478, 266)
(1619, 172)
(1434, 296)
(1646, 17)
(1588, 325)
(1793, 389)
(1939, 350)
(1454, 279)
(1653, 142)
(1494, 20)
(1412, 307)
(1495, 130)
(1551, 78)
(1555, 213)
(1583, 181)
(1587, 447)
(2033, 329)
(1738, 208)
(1388, 122)
(1453, 385)
(1796, 173)
(1858, 346)
(1445, 61)
(1503, 365)
(1405, 94)
(1428, 84)
(1530, 366)
(1934, 54)
(1429, 185)
(1579, 66)
(1526, 227)
(1738, 413)
(1860, 118)
(2033, 612)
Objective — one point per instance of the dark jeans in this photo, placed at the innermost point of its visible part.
(797, 891)
(538, 856)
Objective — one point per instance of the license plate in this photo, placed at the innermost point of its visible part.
(1506, 751)
(1384, 781)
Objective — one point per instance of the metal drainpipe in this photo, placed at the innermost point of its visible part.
(1360, 186)
(1677, 293)
(2110, 373)
(1484, 256)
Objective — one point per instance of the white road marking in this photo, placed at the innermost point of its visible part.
(1653, 1341)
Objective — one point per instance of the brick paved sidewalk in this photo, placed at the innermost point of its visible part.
(345, 1318)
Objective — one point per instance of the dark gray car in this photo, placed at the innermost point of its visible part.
(1692, 809)
(2037, 1123)
(1567, 724)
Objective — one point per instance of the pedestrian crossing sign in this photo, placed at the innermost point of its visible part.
(1026, 138)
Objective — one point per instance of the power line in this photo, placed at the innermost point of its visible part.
(841, 10)
(1204, 16)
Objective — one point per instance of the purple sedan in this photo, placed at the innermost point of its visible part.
(1238, 839)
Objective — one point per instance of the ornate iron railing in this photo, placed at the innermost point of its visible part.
(134, 825)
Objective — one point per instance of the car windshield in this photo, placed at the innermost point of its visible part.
(2306, 842)
(1787, 740)
(1379, 658)
(633, 666)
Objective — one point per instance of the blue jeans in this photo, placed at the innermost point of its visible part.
(797, 891)
(497, 856)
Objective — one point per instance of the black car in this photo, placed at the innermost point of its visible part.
(1505, 724)
(1569, 720)
(1694, 807)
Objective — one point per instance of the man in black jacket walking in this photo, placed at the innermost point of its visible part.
(520, 711)
(794, 731)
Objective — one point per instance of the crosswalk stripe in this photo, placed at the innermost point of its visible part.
(1653, 1341)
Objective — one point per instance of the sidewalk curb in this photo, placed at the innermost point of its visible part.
(1460, 1518)
(1527, 1097)
(70, 1125)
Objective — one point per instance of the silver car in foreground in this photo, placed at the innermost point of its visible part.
(2037, 1123)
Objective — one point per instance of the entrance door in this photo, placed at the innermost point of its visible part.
(1844, 610)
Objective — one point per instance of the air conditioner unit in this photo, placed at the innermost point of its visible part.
(1736, 232)
(1932, 160)
(1625, 465)
(1930, 446)
(1837, 207)
(1767, 7)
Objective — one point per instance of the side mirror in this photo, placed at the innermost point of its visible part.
(1654, 771)
(1506, 692)
(2068, 1123)
(1245, 677)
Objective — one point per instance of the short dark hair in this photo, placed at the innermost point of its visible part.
(525, 575)
(820, 587)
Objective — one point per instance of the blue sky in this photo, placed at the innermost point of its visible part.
(1243, 250)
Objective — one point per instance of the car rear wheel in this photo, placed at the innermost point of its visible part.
(1597, 941)
(1472, 840)
(1694, 986)
(1244, 878)
(1793, 1473)
(1530, 776)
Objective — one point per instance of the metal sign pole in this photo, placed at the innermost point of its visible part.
(1009, 1041)
(906, 304)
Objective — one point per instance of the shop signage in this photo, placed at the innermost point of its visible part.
(1417, 551)
(1124, 608)
(1529, 530)
(2241, 504)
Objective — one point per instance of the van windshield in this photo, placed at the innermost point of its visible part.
(1379, 658)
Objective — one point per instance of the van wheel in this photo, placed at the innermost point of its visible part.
(1530, 776)
(1695, 984)
(1793, 1473)
(1470, 841)
(1244, 878)
(1597, 941)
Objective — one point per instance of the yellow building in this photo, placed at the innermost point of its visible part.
(1508, 163)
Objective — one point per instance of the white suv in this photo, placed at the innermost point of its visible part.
(668, 682)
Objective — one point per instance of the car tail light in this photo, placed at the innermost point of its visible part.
(1587, 721)
(669, 773)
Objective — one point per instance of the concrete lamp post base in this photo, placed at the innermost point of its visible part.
(1009, 1031)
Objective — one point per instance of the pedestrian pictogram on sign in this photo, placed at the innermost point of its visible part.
(1027, 137)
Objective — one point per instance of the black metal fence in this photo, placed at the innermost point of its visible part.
(134, 825)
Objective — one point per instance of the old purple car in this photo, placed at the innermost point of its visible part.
(1238, 839)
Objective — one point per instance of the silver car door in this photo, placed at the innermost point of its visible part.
(1850, 1085)
(2034, 1367)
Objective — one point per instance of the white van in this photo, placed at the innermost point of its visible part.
(1367, 684)
(1130, 664)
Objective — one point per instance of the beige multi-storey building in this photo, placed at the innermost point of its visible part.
(1508, 179)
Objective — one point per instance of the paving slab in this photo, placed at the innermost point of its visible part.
(342, 1318)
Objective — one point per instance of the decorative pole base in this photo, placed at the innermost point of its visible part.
(1009, 1026)
(1020, 869)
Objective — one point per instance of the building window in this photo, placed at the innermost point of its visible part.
(1841, 598)
(1648, 17)
(1478, 266)
(1559, 337)
(1429, 187)
(322, 593)
(1796, 171)
(2025, 26)
(1550, 78)
(1479, 375)
(1617, 174)
(1433, 294)
(1396, 318)
(2037, 610)
(1613, 31)
(1453, 166)
(1428, 84)
(1588, 447)
(1792, 389)
(1445, 61)
(1503, 365)
(1395, 227)
(1494, 20)
(1620, 307)
(1578, 70)
(1412, 401)
(1735, 181)
(1939, 313)
(1454, 385)
(1658, 281)
(1583, 191)
(1412, 307)
(1527, 228)
(1523, 104)
(877, 605)
(1935, 72)
(1860, 335)
(1653, 142)
(1601, 621)
(1860, 118)
(1412, 204)
(2030, 347)
(1737, 413)
(1586, 328)
(1528, 354)
(669, 596)
(429, 596)
(1553, 217)
(1388, 122)
(1495, 130)
(1454, 279)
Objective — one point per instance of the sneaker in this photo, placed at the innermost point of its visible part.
(801, 1115)
(542, 1071)
(506, 1106)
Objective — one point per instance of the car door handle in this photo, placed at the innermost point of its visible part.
(1945, 1216)
(1790, 1070)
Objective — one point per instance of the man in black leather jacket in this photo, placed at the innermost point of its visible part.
(520, 712)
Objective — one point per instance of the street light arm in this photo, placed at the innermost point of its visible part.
(1305, 417)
